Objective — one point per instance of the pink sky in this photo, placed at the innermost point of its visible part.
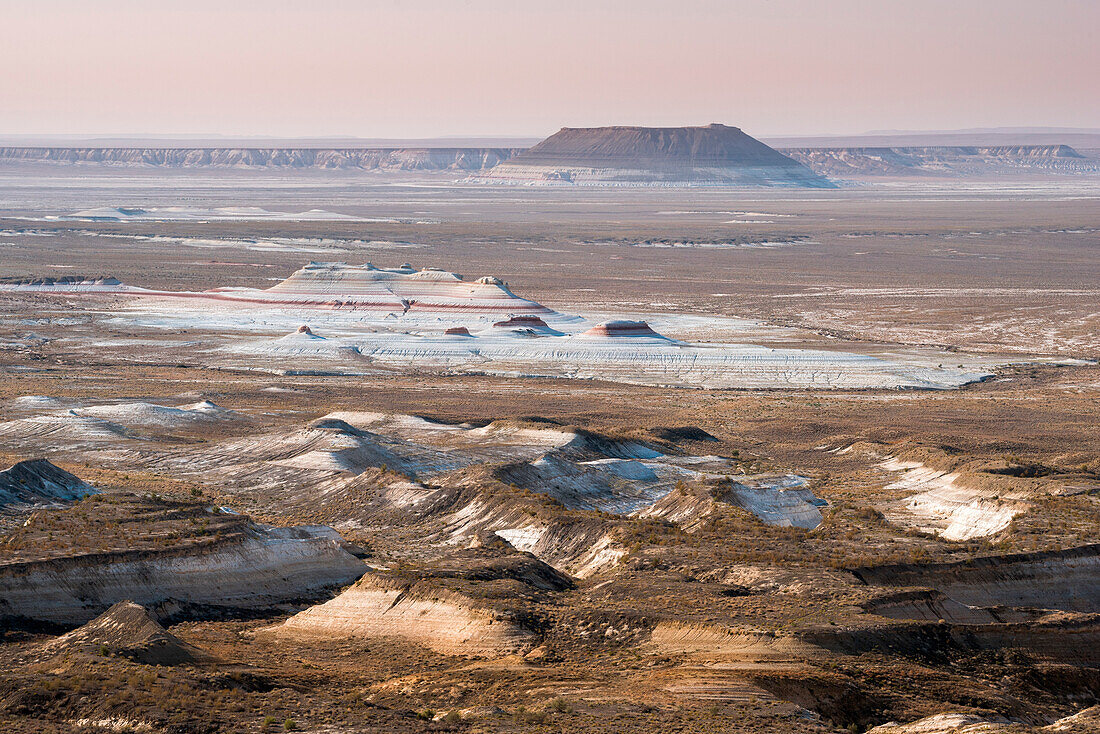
(419, 68)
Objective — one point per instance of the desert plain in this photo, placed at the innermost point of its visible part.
(324, 516)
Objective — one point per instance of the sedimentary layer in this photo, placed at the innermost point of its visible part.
(445, 621)
(259, 569)
(1064, 580)
(411, 310)
(332, 285)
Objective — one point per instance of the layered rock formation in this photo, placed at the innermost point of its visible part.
(253, 570)
(784, 501)
(334, 285)
(945, 505)
(623, 329)
(638, 156)
(714, 154)
(535, 341)
(444, 621)
(432, 609)
(1065, 580)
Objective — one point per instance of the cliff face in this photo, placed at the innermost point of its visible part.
(715, 154)
(1064, 579)
(253, 570)
(369, 159)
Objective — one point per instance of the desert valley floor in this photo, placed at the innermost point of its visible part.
(557, 459)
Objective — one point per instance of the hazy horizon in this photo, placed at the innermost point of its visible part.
(432, 69)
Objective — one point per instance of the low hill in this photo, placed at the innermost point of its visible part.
(37, 481)
(127, 630)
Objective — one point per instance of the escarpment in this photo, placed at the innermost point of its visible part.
(944, 161)
(252, 570)
(366, 159)
(1063, 579)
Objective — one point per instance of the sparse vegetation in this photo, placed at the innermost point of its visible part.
(645, 642)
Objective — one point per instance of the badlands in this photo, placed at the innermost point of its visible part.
(342, 447)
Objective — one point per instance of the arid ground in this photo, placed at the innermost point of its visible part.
(554, 554)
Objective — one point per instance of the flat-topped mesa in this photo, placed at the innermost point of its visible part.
(64, 283)
(521, 322)
(524, 325)
(710, 155)
(614, 329)
(400, 289)
(333, 285)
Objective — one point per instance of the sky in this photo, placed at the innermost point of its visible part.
(426, 68)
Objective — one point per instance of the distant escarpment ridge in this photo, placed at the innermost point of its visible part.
(615, 156)
(710, 155)
(368, 159)
(944, 160)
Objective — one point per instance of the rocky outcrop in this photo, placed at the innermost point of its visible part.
(645, 156)
(1059, 637)
(1083, 722)
(444, 621)
(1080, 723)
(330, 285)
(622, 329)
(930, 605)
(38, 482)
(367, 159)
(582, 548)
(784, 501)
(1064, 580)
(400, 315)
(430, 607)
(720, 643)
(257, 569)
(715, 154)
(951, 724)
(945, 505)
